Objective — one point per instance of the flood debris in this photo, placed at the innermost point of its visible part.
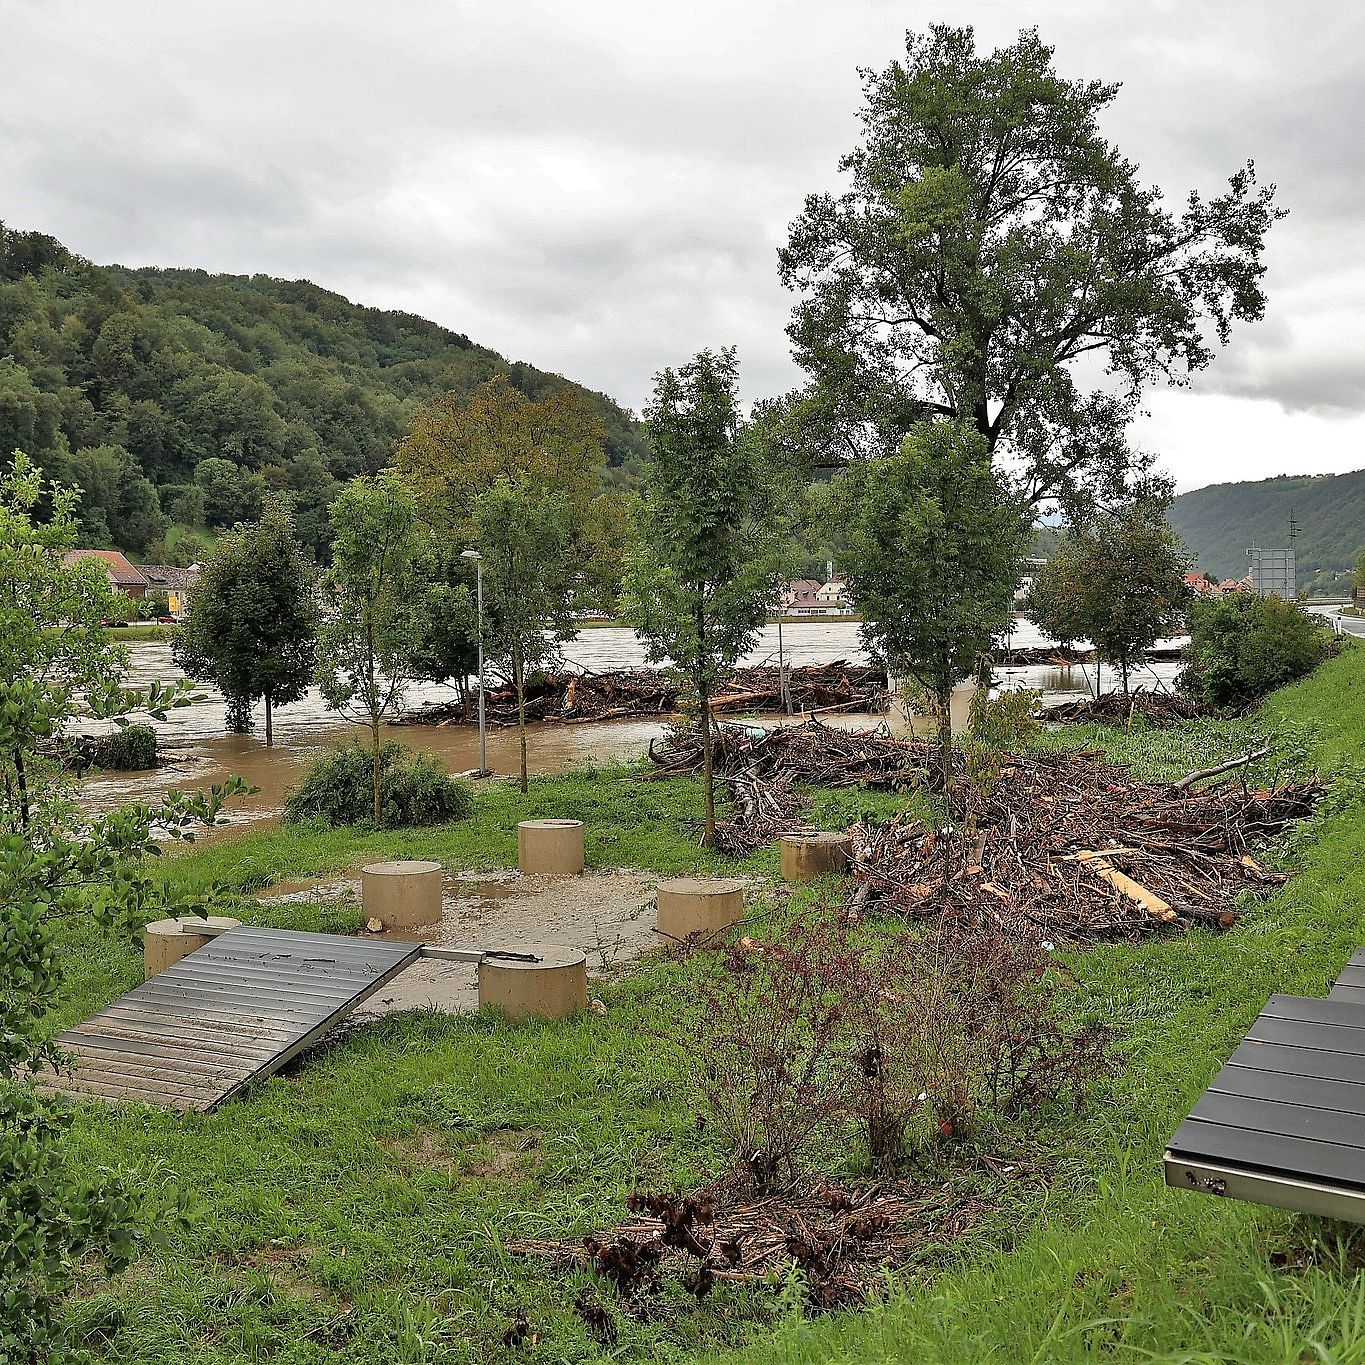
(843, 1235)
(765, 770)
(1067, 847)
(572, 698)
(1114, 708)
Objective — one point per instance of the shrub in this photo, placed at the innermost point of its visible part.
(900, 1041)
(127, 750)
(337, 789)
(1243, 646)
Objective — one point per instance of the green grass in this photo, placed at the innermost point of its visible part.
(358, 1207)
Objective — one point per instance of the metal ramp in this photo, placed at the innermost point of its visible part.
(1284, 1121)
(236, 1009)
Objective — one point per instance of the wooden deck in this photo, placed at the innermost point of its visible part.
(1284, 1121)
(235, 1010)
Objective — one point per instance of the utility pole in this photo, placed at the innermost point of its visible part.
(483, 712)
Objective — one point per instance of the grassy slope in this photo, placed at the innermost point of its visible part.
(1120, 1268)
(357, 1208)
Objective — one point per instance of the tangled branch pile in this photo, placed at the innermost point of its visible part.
(569, 698)
(764, 769)
(1113, 708)
(843, 1237)
(1064, 846)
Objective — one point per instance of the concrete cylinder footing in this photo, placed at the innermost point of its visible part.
(697, 905)
(165, 942)
(553, 987)
(554, 846)
(807, 856)
(401, 895)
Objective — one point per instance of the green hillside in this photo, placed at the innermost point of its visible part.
(1219, 522)
(176, 398)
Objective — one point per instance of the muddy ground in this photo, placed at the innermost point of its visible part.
(607, 915)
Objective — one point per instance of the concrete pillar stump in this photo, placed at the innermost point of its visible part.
(165, 942)
(807, 856)
(697, 905)
(553, 987)
(401, 895)
(553, 846)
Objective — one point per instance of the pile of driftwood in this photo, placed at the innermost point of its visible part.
(843, 1238)
(568, 698)
(1067, 847)
(1114, 708)
(764, 770)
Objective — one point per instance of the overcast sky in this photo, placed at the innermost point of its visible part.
(599, 186)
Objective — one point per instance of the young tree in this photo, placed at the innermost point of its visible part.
(936, 542)
(1116, 580)
(253, 618)
(370, 644)
(55, 864)
(526, 539)
(992, 250)
(711, 551)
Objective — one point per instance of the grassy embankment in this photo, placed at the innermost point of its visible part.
(357, 1208)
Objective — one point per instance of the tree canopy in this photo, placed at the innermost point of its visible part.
(996, 262)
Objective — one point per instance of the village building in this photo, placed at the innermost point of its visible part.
(123, 574)
(171, 582)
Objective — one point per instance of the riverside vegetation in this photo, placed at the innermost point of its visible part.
(360, 1206)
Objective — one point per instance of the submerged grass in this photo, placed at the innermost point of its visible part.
(357, 1208)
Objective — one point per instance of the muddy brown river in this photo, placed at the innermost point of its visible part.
(197, 750)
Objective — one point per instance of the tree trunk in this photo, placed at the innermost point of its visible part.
(269, 723)
(375, 769)
(708, 837)
(21, 781)
(1123, 669)
(945, 743)
(519, 677)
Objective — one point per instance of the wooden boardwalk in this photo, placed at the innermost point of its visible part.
(235, 1010)
(1284, 1121)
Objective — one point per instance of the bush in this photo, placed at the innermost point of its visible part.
(128, 750)
(1243, 647)
(900, 1042)
(337, 789)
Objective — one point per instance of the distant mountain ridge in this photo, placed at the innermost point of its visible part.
(175, 398)
(1219, 523)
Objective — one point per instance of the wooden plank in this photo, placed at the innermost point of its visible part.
(1319, 1037)
(1344, 991)
(227, 1014)
(1276, 1153)
(1303, 1061)
(1264, 1116)
(1352, 976)
(1317, 1092)
(1314, 1010)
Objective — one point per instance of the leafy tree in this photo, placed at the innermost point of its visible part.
(991, 251)
(459, 449)
(374, 595)
(711, 551)
(231, 493)
(1116, 580)
(1243, 646)
(526, 538)
(253, 618)
(57, 864)
(938, 541)
(449, 651)
(119, 505)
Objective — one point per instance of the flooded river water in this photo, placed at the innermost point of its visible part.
(198, 751)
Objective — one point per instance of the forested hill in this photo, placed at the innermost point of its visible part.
(1219, 522)
(175, 398)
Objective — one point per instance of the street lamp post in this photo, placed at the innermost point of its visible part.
(483, 711)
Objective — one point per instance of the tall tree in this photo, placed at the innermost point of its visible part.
(1117, 579)
(938, 541)
(458, 448)
(375, 598)
(253, 618)
(56, 864)
(525, 536)
(991, 252)
(712, 550)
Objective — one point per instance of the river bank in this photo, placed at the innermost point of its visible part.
(369, 1193)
